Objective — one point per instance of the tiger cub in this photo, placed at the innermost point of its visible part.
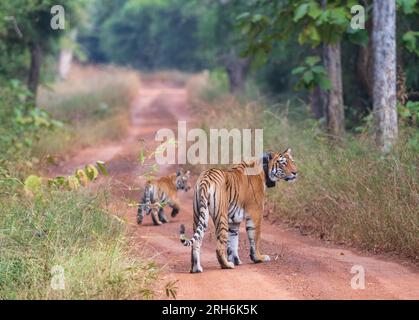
(231, 196)
(160, 192)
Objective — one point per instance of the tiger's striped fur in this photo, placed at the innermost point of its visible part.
(229, 197)
(161, 192)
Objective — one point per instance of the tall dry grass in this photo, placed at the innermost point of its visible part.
(94, 103)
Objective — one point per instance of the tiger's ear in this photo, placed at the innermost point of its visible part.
(188, 173)
(178, 173)
(288, 151)
(267, 156)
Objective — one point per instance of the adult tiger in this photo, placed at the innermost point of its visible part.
(159, 192)
(229, 197)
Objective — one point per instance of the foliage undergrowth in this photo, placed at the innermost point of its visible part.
(72, 231)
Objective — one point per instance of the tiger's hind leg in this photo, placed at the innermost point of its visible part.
(196, 256)
(221, 230)
(162, 216)
(233, 243)
(155, 218)
(140, 214)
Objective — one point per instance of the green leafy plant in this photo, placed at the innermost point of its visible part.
(410, 40)
(312, 74)
(408, 6)
(21, 123)
(82, 177)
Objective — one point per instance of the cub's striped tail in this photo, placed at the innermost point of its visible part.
(147, 193)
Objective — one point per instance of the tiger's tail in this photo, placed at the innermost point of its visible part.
(201, 212)
(147, 193)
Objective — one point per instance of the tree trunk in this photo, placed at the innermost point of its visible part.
(64, 62)
(35, 68)
(384, 89)
(317, 102)
(66, 55)
(334, 97)
(237, 69)
(365, 63)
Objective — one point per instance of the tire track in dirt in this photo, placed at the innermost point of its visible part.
(301, 267)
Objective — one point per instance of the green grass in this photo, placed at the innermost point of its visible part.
(72, 230)
(347, 191)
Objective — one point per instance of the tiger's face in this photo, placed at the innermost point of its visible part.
(182, 180)
(282, 166)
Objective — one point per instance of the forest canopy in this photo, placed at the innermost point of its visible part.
(286, 48)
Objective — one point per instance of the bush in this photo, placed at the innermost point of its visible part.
(71, 230)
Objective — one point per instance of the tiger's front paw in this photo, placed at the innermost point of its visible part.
(228, 265)
(261, 258)
(266, 258)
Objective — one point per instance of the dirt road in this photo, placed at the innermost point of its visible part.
(301, 267)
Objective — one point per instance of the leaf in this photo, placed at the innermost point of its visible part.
(257, 17)
(308, 77)
(141, 157)
(260, 58)
(314, 35)
(82, 177)
(300, 12)
(339, 16)
(314, 10)
(319, 70)
(91, 172)
(246, 28)
(359, 37)
(102, 168)
(32, 184)
(243, 16)
(323, 18)
(324, 83)
(73, 183)
(298, 70)
(351, 3)
(410, 41)
(310, 32)
(57, 181)
(407, 6)
(312, 60)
